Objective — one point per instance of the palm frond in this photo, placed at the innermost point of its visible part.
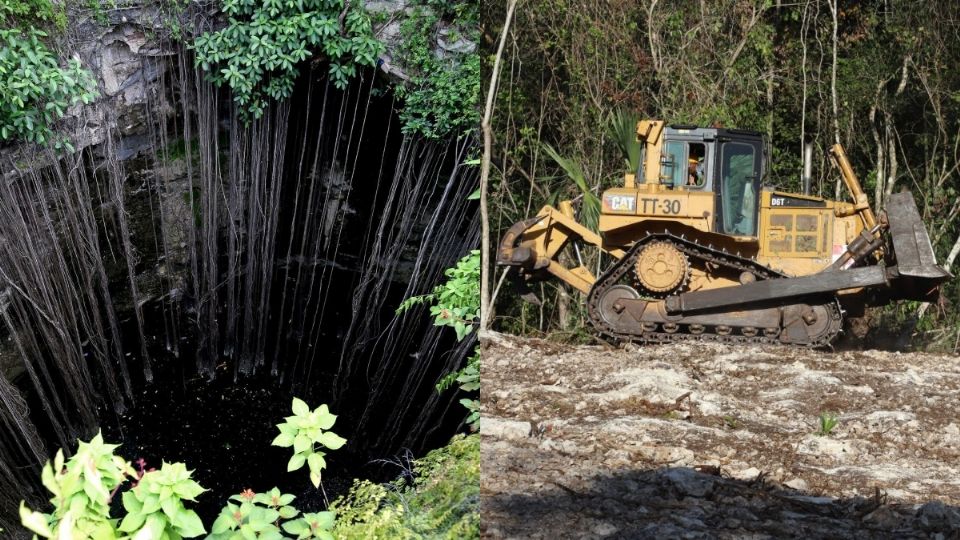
(623, 129)
(590, 203)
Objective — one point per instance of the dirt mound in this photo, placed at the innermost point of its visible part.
(706, 440)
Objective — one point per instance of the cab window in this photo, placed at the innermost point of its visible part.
(673, 172)
(684, 164)
(738, 189)
(696, 165)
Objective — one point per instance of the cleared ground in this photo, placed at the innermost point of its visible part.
(706, 441)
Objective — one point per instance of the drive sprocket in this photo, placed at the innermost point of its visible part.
(661, 268)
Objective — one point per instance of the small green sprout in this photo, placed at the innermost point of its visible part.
(828, 421)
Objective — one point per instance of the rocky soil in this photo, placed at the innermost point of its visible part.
(715, 441)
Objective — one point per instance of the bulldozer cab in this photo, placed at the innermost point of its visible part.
(705, 178)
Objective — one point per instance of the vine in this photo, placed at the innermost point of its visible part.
(456, 303)
(257, 54)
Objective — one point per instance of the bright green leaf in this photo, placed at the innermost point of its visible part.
(300, 408)
(295, 462)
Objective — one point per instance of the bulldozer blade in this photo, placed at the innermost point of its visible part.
(780, 291)
(911, 245)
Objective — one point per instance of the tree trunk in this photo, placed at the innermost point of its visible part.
(833, 90)
(485, 308)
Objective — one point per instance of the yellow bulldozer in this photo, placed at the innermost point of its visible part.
(699, 249)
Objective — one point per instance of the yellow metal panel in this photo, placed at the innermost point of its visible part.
(622, 207)
(579, 277)
(795, 239)
(651, 133)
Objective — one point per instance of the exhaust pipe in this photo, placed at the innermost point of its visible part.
(807, 166)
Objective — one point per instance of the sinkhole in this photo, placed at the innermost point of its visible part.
(177, 283)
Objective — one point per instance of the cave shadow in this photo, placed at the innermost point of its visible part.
(683, 502)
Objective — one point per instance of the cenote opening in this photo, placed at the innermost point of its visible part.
(177, 281)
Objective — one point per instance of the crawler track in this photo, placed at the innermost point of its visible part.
(720, 331)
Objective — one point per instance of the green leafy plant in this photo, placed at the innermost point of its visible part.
(590, 205)
(35, 91)
(456, 303)
(257, 54)
(469, 379)
(443, 501)
(26, 14)
(305, 431)
(257, 515)
(315, 525)
(827, 422)
(623, 129)
(82, 489)
(155, 505)
(442, 95)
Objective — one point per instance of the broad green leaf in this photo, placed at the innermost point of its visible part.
(133, 520)
(171, 507)
(152, 529)
(131, 503)
(300, 408)
(223, 523)
(295, 527)
(66, 527)
(331, 440)
(295, 462)
(302, 443)
(34, 521)
(284, 440)
(189, 524)
(49, 480)
(151, 503)
(325, 420)
(324, 520)
(316, 462)
(272, 534)
(188, 490)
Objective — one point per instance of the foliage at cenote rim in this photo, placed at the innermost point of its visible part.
(443, 502)
(155, 505)
(259, 515)
(442, 96)
(257, 54)
(35, 91)
(305, 431)
(456, 303)
(25, 14)
(84, 486)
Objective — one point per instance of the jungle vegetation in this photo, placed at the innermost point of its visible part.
(877, 76)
